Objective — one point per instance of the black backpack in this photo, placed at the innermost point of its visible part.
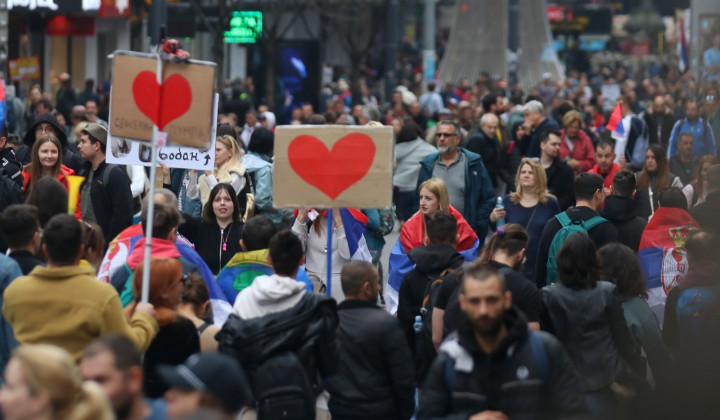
(282, 389)
(425, 351)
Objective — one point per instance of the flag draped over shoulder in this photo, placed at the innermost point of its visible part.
(120, 248)
(412, 236)
(662, 254)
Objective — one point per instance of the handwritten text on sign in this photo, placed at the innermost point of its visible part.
(128, 152)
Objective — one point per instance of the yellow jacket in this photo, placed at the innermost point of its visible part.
(68, 307)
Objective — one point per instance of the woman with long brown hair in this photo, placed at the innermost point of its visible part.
(695, 191)
(654, 178)
(177, 339)
(47, 161)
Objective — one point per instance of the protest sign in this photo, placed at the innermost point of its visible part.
(24, 69)
(181, 105)
(326, 166)
(125, 151)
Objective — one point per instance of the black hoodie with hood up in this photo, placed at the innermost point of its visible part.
(620, 211)
(430, 261)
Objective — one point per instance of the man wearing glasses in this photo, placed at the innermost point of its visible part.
(469, 185)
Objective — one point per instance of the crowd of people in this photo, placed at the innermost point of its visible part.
(547, 266)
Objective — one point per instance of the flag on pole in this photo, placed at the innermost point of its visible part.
(615, 122)
(682, 47)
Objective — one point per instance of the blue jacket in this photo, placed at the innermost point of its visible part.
(479, 191)
(9, 271)
(260, 168)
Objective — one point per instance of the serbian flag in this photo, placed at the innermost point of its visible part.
(662, 254)
(355, 223)
(682, 47)
(3, 107)
(412, 236)
(615, 121)
(120, 248)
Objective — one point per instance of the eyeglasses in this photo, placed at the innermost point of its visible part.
(710, 98)
(45, 129)
(446, 135)
(530, 159)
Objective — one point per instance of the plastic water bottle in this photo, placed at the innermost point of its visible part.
(499, 222)
(418, 325)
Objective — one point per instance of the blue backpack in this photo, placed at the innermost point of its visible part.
(698, 314)
(569, 227)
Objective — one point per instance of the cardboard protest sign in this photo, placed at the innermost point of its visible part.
(326, 166)
(125, 151)
(181, 105)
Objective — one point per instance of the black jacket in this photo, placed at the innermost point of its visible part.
(707, 212)
(173, 344)
(488, 149)
(430, 262)
(591, 325)
(216, 246)
(533, 143)
(510, 160)
(510, 379)
(621, 213)
(70, 159)
(26, 260)
(665, 123)
(602, 234)
(375, 375)
(112, 203)
(308, 329)
(10, 165)
(560, 179)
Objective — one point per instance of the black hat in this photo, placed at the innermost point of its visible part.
(215, 373)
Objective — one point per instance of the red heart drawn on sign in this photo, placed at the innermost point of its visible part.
(332, 171)
(175, 92)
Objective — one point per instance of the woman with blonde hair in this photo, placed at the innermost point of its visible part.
(576, 147)
(43, 382)
(177, 339)
(530, 205)
(434, 197)
(228, 169)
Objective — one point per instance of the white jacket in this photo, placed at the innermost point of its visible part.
(268, 294)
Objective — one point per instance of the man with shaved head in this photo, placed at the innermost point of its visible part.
(372, 348)
(660, 123)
